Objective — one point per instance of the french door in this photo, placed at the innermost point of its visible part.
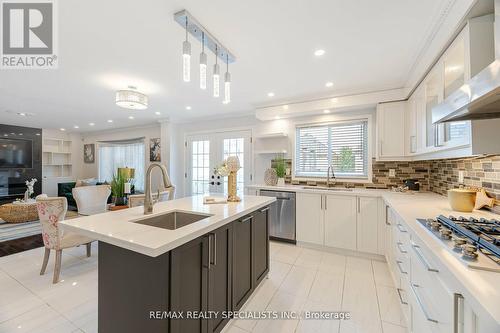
(206, 151)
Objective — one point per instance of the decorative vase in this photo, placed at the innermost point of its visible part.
(120, 201)
(271, 177)
(231, 188)
(26, 196)
(281, 181)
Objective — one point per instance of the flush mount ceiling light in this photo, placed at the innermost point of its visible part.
(193, 27)
(319, 52)
(329, 84)
(131, 99)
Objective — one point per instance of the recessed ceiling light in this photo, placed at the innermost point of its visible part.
(131, 117)
(188, 107)
(22, 114)
(285, 107)
(110, 120)
(157, 113)
(38, 134)
(335, 100)
(329, 84)
(326, 111)
(319, 52)
(76, 126)
(20, 134)
(62, 129)
(91, 124)
(277, 117)
(270, 94)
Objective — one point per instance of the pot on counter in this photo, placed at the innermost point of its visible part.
(462, 199)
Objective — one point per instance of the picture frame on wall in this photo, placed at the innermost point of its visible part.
(89, 153)
(154, 150)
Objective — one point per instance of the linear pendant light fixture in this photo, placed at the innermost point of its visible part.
(186, 57)
(203, 64)
(192, 26)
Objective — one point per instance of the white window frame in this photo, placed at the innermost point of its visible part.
(339, 120)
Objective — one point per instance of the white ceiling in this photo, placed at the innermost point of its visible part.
(107, 45)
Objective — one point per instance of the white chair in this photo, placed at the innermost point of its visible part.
(135, 200)
(50, 212)
(91, 200)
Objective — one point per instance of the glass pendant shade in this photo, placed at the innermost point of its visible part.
(186, 61)
(227, 88)
(203, 71)
(216, 80)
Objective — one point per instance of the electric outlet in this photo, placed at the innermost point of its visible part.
(461, 176)
(392, 172)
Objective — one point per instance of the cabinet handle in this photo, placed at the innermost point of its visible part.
(400, 227)
(247, 219)
(326, 206)
(387, 215)
(398, 244)
(282, 198)
(209, 251)
(420, 304)
(422, 259)
(457, 313)
(398, 263)
(359, 205)
(401, 297)
(381, 154)
(264, 210)
(214, 252)
(321, 202)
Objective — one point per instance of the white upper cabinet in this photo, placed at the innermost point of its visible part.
(391, 130)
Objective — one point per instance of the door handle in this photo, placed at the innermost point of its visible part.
(420, 304)
(247, 219)
(398, 244)
(214, 252)
(401, 297)
(420, 256)
(457, 313)
(398, 263)
(387, 215)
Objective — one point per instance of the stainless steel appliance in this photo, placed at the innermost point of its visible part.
(282, 215)
(475, 242)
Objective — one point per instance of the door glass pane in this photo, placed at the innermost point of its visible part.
(200, 168)
(235, 147)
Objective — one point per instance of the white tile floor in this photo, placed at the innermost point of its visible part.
(300, 279)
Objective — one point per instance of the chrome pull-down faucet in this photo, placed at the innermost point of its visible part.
(330, 167)
(148, 197)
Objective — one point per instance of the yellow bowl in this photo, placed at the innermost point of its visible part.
(462, 200)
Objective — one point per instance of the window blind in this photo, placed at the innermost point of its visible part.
(343, 145)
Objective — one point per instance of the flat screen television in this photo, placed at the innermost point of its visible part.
(16, 153)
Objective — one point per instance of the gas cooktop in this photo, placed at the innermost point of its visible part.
(476, 242)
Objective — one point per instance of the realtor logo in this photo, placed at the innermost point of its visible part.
(28, 34)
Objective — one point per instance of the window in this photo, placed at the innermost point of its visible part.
(114, 155)
(200, 165)
(342, 145)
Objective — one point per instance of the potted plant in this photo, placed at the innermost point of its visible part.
(280, 167)
(118, 189)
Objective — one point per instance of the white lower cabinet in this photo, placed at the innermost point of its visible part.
(367, 224)
(340, 221)
(309, 218)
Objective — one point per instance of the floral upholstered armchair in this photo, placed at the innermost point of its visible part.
(50, 212)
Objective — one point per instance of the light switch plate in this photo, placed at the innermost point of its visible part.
(392, 172)
(461, 176)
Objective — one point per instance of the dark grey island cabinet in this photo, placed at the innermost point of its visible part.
(214, 273)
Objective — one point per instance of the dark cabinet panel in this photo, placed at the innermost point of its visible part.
(260, 247)
(189, 265)
(219, 276)
(130, 286)
(242, 261)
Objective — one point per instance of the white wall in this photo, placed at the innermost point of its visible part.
(260, 162)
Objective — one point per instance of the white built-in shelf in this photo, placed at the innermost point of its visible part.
(273, 151)
(271, 135)
(56, 158)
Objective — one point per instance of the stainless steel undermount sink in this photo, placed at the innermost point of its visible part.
(171, 220)
(327, 188)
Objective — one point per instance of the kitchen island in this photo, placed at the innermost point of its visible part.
(180, 269)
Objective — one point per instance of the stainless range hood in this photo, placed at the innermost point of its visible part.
(478, 98)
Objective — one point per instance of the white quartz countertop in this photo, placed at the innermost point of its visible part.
(319, 189)
(115, 227)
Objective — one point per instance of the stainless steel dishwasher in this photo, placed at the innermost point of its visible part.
(282, 215)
